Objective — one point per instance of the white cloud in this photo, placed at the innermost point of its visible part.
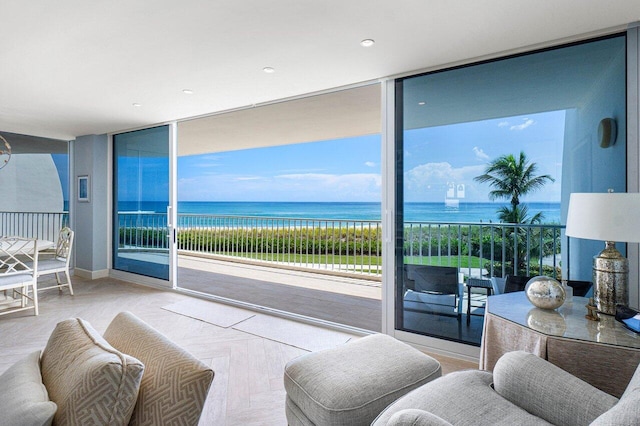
(480, 154)
(354, 187)
(370, 164)
(249, 178)
(503, 124)
(429, 182)
(527, 122)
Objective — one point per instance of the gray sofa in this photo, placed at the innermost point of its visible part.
(133, 375)
(523, 390)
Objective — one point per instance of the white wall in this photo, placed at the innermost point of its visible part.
(29, 183)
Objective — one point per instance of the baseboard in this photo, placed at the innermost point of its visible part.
(92, 275)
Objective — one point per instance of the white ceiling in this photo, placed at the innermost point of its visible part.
(75, 67)
(339, 114)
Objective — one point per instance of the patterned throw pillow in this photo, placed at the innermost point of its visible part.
(175, 383)
(89, 380)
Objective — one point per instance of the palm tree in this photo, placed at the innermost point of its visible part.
(513, 178)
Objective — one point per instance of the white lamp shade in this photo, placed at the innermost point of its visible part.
(604, 216)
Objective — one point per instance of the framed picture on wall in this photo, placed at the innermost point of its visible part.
(84, 189)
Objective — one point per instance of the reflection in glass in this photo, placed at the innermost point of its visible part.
(453, 124)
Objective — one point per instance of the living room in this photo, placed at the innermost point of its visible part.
(82, 76)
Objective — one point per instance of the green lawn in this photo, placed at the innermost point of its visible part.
(309, 258)
(462, 262)
(296, 258)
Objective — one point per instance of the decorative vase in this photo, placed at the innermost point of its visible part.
(545, 292)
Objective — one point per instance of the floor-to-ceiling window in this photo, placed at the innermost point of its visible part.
(268, 195)
(488, 155)
(141, 198)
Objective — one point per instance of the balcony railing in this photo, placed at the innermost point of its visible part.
(486, 249)
(352, 246)
(341, 246)
(41, 225)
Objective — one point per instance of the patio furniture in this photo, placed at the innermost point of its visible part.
(351, 384)
(58, 262)
(581, 288)
(434, 289)
(523, 390)
(476, 283)
(515, 283)
(497, 284)
(18, 272)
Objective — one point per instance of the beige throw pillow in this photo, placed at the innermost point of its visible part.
(89, 380)
(23, 397)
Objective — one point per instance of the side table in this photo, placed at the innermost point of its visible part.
(603, 353)
(477, 283)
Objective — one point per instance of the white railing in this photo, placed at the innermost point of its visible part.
(41, 225)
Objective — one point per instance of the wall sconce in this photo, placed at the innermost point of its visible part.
(607, 132)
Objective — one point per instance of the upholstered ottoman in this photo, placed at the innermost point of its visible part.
(351, 384)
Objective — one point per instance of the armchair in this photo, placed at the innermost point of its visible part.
(435, 289)
(523, 389)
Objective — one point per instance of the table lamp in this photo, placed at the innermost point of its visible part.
(610, 217)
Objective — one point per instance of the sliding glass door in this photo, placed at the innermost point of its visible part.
(487, 157)
(141, 192)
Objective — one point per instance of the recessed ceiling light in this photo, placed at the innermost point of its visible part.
(367, 42)
(268, 70)
(421, 103)
(136, 105)
(187, 91)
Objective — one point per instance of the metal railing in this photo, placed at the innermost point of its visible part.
(486, 249)
(41, 225)
(346, 246)
(352, 246)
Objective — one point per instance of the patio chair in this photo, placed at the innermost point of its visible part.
(58, 262)
(515, 283)
(436, 288)
(18, 272)
(497, 284)
(581, 288)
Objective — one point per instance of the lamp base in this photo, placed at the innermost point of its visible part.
(610, 279)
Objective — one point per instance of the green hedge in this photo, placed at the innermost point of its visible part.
(341, 241)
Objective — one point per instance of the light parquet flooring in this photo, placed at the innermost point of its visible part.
(247, 388)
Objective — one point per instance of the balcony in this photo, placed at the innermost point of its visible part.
(324, 269)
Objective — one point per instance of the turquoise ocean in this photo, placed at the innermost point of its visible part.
(413, 212)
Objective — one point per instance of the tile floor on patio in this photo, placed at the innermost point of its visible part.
(349, 301)
(354, 302)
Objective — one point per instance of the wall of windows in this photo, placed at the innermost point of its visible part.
(463, 137)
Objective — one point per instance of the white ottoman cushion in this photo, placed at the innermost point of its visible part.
(351, 384)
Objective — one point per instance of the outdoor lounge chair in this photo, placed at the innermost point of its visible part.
(434, 289)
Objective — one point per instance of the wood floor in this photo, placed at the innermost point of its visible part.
(247, 387)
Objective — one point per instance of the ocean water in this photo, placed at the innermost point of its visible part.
(428, 212)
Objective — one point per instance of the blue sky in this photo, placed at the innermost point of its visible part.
(349, 169)
(457, 153)
(336, 170)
